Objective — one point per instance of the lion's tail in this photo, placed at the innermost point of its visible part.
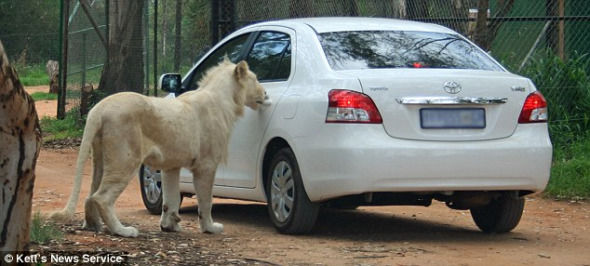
(90, 131)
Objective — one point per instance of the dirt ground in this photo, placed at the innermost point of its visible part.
(550, 232)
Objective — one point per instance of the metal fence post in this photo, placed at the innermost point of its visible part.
(63, 64)
(156, 48)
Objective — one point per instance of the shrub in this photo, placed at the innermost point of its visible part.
(72, 126)
(566, 86)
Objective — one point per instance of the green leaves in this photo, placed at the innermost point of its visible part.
(566, 86)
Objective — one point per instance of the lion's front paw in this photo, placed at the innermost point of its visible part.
(128, 232)
(215, 228)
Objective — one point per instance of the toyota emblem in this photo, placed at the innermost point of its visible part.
(452, 87)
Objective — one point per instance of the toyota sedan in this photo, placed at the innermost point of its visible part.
(368, 111)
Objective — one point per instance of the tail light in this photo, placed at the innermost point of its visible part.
(534, 109)
(351, 107)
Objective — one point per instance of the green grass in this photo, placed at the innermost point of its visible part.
(570, 172)
(70, 127)
(43, 231)
(33, 75)
(42, 96)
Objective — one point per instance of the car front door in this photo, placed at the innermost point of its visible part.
(234, 50)
(270, 57)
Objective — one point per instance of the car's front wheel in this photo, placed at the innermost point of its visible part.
(289, 207)
(150, 182)
(501, 215)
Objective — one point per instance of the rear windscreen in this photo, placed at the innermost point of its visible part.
(353, 50)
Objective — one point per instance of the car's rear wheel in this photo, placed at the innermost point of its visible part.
(151, 189)
(501, 215)
(289, 207)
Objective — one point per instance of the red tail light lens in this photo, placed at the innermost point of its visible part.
(351, 107)
(534, 109)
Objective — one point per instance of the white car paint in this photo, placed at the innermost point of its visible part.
(396, 156)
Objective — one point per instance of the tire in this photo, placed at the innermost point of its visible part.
(501, 215)
(150, 183)
(289, 207)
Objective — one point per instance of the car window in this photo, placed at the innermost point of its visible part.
(402, 49)
(232, 49)
(270, 57)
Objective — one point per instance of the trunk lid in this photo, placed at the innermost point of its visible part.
(445, 104)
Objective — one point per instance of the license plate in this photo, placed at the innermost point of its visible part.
(436, 118)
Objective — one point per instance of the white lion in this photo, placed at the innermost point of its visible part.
(192, 131)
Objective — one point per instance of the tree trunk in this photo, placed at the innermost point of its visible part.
(86, 99)
(52, 68)
(417, 9)
(178, 39)
(485, 32)
(461, 8)
(20, 141)
(164, 26)
(123, 70)
(300, 8)
(504, 8)
(481, 27)
(399, 8)
(352, 7)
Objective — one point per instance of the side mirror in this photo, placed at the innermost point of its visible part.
(170, 82)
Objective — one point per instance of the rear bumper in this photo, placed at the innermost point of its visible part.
(345, 159)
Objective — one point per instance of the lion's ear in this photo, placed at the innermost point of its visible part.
(241, 70)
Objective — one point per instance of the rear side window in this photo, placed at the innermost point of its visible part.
(402, 49)
(270, 57)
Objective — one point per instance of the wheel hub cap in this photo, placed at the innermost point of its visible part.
(152, 185)
(282, 191)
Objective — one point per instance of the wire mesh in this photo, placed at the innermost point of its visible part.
(545, 40)
(86, 50)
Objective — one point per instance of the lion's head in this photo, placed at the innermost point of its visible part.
(251, 91)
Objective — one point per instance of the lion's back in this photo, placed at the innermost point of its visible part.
(116, 105)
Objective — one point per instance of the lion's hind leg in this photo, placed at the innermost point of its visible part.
(170, 218)
(111, 187)
(203, 182)
(92, 221)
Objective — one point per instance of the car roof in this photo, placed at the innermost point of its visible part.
(335, 24)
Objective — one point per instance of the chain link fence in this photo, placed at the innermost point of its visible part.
(545, 40)
(85, 43)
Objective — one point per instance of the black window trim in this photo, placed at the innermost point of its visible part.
(244, 51)
(251, 45)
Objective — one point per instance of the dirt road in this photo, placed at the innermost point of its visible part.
(550, 233)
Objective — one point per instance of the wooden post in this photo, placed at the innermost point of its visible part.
(20, 141)
(556, 32)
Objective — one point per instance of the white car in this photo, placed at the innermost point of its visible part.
(369, 111)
